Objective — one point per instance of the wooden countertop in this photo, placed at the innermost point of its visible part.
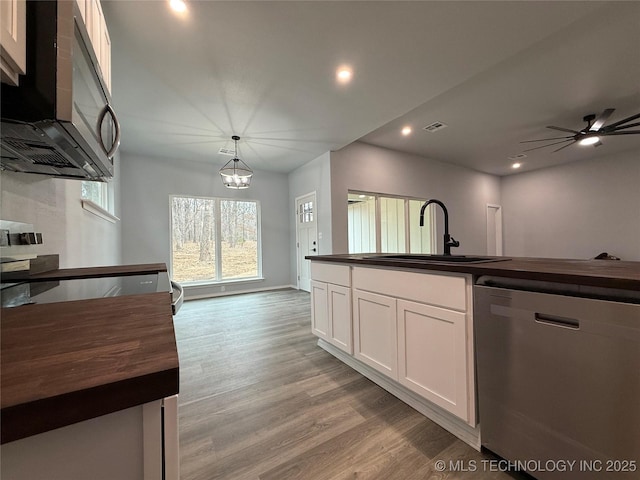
(595, 273)
(71, 361)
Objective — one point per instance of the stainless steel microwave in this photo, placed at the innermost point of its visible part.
(59, 120)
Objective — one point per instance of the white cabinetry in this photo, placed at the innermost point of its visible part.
(96, 26)
(432, 355)
(340, 328)
(139, 443)
(417, 329)
(374, 325)
(319, 309)
(13, 45)
(331, 304)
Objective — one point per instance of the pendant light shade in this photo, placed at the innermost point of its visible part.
(236, 174)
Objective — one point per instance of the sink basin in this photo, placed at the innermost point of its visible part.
(426, 258)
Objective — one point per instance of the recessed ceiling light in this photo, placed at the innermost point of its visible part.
(178, 6)
(516, 165)
(344, 74)
(406, 130)
(590, 140)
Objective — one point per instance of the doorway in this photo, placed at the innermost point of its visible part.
(306, 237)
(494, 230)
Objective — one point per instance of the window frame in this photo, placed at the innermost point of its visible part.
(217, 221)
(104, 205)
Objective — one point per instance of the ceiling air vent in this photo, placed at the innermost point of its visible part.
(227, 151)
(435, 126)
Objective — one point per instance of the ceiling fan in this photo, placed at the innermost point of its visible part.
(591, 134)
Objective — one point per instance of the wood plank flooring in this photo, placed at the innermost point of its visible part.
(260, 401)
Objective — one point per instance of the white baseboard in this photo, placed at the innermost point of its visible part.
(468, 434)
(188, 296)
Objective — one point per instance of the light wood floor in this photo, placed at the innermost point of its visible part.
(259, 400)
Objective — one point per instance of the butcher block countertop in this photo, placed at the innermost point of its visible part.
(71, 361)
(596, 273)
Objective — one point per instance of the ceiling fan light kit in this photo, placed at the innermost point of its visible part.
(592, 133)
(236, 174)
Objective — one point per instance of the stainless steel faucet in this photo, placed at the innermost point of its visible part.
(449, 241)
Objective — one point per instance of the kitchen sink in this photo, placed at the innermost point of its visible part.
(426, 258)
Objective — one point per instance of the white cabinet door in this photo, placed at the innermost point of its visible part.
(340, 328)
(432, 355)
(82, 6)
(374, 330)
(105, 54)
(319, 309)
(13, 44)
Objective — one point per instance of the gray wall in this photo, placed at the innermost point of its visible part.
(314, 176)
(146, 185)
(576, 210)
(368, 168)
(53, 206)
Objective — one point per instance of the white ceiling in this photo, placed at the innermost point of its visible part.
(495, 72)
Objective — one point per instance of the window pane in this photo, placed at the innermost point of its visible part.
(419, 237)
(239, 236)
(362, 223)
(193, 239)
(392, 230)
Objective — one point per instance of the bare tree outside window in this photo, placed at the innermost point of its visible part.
(202, 227)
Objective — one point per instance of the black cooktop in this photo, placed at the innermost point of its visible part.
(24, 293)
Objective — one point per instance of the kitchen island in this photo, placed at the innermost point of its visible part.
(408, 324)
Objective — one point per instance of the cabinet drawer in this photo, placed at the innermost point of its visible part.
(443, 290)
(329, 273)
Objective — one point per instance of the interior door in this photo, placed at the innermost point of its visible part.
(306, 237)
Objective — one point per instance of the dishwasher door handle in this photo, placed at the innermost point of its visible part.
(557, 321)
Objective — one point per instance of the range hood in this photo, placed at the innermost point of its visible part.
(59, 120)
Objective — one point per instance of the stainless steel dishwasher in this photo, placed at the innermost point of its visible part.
(558, 370)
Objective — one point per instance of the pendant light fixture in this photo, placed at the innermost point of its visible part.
(236, 174)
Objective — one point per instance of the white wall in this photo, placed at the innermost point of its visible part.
(368, 168)
(576, 210)
(314, 176)
(53, 206)
(146, 185)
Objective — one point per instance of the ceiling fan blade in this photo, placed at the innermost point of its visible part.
(544, 139)
(549, 145)
(568, 145)
(562, 129)
(623, 127)
(626, 132)
(601, 119)
(628, 119)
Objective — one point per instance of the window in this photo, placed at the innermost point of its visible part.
(98, 198)
(388, 224)
(214, 239)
